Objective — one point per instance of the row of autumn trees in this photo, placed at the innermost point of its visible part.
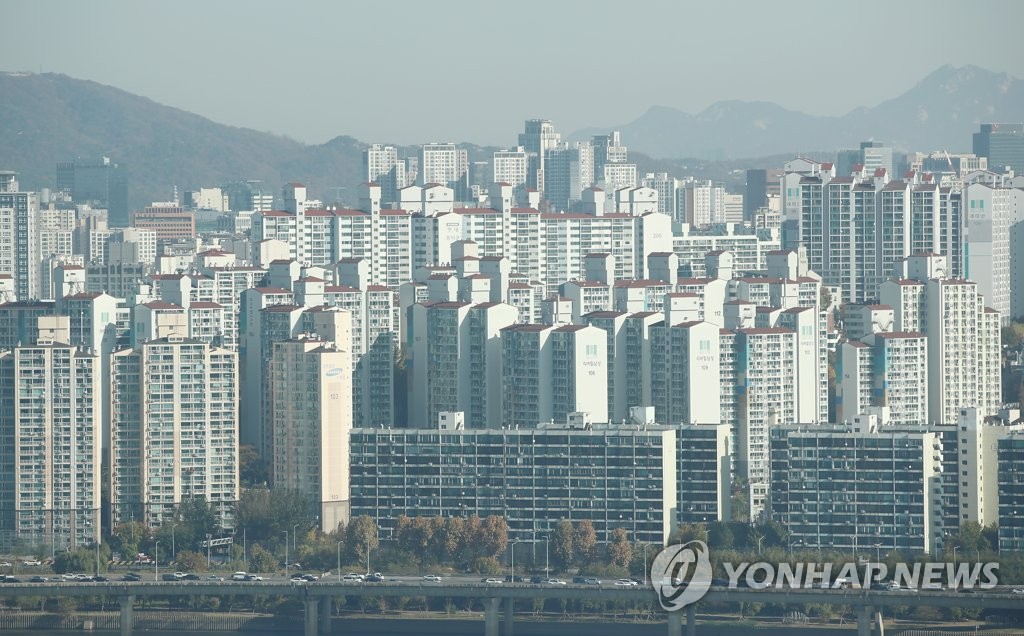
(467, 543)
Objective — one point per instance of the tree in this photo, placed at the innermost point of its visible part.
(493, 537)
(193, 520)
(267, 513)
(562, 544)
(129, 535)
(414, 536)
(620, 551)
(190, 561)
(78, 560)
(687, 532)
(362, 537)
(260, 559)
(720, 535)
(585, 542)
(252, 471)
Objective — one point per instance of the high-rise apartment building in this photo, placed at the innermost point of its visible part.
(50, 435)
(100, 183)
(852, 488)
(511, 167)
(534, 477)
(19, 239)
(568, 171)
(174, 430)
(381, 165)
(311, 418)
(445, 164)
(538, 137)
(455, 362)
(987, 215)
(1003, 145)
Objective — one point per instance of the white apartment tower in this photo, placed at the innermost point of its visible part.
(174, 430)
(510, 166)
(311, 418)
(19, 241)
(50, 433)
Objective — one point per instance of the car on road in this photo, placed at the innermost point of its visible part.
(353, 578)
(131, 576)
(5, 564)
(491, 581)
(536, 580)
(931, 587)
(893, 586)
(214, 577)
(432, 578)
(10, 579)
(239, 576)
(253, 577)
(31, 563)
(191, 577)
(37, 579)
(591, 581)
(170, 576)
(1017, 590)
(626, 583)
(297, 579)
(555, 582)
(374, 578)
(98, 579)
(310, 577)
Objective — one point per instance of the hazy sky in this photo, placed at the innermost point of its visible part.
(418, 71)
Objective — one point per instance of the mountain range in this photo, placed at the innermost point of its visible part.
(940, 112)
(49, 118)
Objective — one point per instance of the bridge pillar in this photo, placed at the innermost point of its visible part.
(491, 616)
(509, 625)
(312, 612)
(675, 624)
(879, 624)
(325, 615)
(691, 620)
(864, 620)
(127, 615)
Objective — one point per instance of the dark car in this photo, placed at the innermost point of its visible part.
(516, 579)
(99, 579)
(37, 579)
(374, 578)
(191, 577)
(719, 582)
(537, 580)
(131, 576)
(880, 586)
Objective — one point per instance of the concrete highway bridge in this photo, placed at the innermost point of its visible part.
(499, 598)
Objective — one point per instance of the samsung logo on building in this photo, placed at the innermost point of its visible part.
(333, 371)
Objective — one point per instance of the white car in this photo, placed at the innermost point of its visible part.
(352, 578)
(5, 564)
(239, 576)
(931, 587)
(555, 582)
(626, 582)
(433, 578)
(32, 563)
(1018, 591)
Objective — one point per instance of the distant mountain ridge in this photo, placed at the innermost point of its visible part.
(940, 112)
(48, 118)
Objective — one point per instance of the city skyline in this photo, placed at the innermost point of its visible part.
(312, 47)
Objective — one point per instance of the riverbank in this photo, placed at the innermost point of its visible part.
(165, 623)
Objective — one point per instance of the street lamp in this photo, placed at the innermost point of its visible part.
(339, 559)
(547, 552)
(174, 552)
(645, 564)
(954, 555)
(285, 533)
(792, 545)
(208, 546)
(512, 550)
(759, 540)
(156, 562)
(878, 553)
(295, 537)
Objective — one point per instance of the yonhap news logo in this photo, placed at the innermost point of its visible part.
(681, 574)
